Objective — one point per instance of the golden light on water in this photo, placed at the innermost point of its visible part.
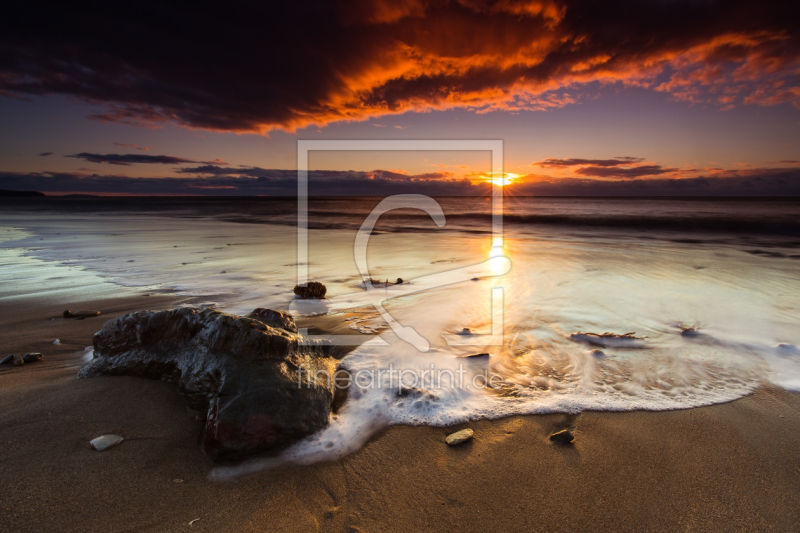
(497, 259)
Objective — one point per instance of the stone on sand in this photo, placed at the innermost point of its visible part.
(459, 437)
(7, 360)
(105, 442)
(17, 360)
(564, 436)
(32, 357)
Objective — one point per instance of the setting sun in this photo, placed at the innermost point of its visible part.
(506, 179)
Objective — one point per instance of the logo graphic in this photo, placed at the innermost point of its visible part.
(496, 265)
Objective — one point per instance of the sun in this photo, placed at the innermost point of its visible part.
(505, 179)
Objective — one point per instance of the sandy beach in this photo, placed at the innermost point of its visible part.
(729, 467)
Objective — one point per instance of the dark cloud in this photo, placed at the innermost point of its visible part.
(273, 182)
(258, 66)
(618, 167)
(45, 154)
(561, 163)
(783, 182)
(136, 146)
(624, 172)
(130, 159)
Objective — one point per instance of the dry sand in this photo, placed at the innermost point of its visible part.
(731, 467)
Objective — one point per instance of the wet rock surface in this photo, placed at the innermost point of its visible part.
(244, 373)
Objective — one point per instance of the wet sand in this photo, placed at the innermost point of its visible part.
(728, 467)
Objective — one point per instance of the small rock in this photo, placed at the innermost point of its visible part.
(7, 360)
(131, 261)
(177, 481)
(67, 313)
(597, 353)
(106, 441)
(459, 436)
(466, 331)
(224, 272)
(32, 357)
(399, 281)
(564, 437)
(17, 360)
(56, 342)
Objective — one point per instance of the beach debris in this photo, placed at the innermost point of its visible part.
(459, 437)
(32, 357)
(56, 342)
(177, 481)
(466, 331)
(313, 290)
(17, 360)
(607, 339)
(564, 436)
(196, 519)
(473, 355)
(274, 319)
(597, 353)
(80, 314)
(106, 441)
(263, 407)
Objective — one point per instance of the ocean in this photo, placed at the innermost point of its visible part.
(708, 288)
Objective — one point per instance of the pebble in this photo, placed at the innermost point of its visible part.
(56, 342)
(32, 357)
(7, 360)
(459, 436)
(597, 353)
(564, 437)
(106, 441)
(466, 331)
(17, 360)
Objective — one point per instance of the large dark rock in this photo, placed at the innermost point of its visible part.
(241, 371)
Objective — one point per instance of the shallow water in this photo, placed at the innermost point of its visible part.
(667, 266)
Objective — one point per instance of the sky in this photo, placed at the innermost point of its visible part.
(633, 97)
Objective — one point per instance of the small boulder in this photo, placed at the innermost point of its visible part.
(32, 357)
(7, 360)
(313, 290)
(17, 360)
(399, 281)
(459, 437)
(105, 442)
(564, 436)
(466, 331)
